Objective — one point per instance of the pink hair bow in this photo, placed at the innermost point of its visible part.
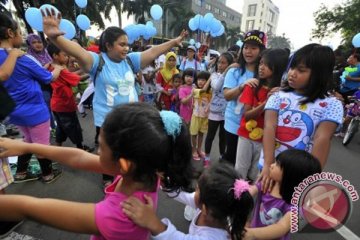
(240, 186)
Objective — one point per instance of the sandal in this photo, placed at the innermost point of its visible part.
(201, 154)
(196, 156)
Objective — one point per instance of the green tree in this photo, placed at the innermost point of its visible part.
(180, 23)
(278, 41)
(232, 35)
(139, 8)
(342, 18)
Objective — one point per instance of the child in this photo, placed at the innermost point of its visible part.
(352, 79)
(129, 149)
(175, 103)
(302, 116)
(148, 84)
(235, 78)
(199, 118)
(289, 170)
(217, 106)
(272, 65)
(63, 103)
(31, 115)
(186, 95)
(223, 205)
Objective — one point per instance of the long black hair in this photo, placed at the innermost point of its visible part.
(296, 166)
(135, 131)
(110, 35)
(216, 185)
(6, 22)
(321, 60)
(276, 59)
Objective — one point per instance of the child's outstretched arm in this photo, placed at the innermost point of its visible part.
(65, 215)
(7, 68)
(273, 231)
(51, 23)
(73, 157)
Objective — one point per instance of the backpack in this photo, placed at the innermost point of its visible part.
(129, 62)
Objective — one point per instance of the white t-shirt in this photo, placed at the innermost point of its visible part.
(160, 61)
(297, 122)
(148, 87)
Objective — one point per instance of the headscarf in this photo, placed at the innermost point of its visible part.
(43, 57)
(167, 72)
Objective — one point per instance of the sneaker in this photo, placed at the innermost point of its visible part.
(56, 173)
(88, 149)
(7, 227)
(12, 132)
(196, 156)
(26, 177)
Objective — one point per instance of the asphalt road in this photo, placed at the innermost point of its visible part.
(81, 186)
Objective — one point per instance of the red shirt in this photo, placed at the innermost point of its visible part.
(63, 99)
(252, 129)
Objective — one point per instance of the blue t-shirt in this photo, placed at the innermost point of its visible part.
(186, 63)
(115, 84)
(23, 87)
(352, 85)
(234, 109)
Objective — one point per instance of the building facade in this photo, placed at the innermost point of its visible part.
(260, 15)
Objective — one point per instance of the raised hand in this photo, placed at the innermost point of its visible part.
(51, 22)
(181, 37)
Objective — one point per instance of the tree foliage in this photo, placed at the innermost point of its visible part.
(278, 41)
(342, 18)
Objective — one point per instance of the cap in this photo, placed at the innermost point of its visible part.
(191, 47)
(255, 36)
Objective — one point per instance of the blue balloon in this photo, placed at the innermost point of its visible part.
(239, 43)
(192, 42)
(208, 18)
(83, 22)
(48, 6)
(192, 24)
(34, 18)
(156, 12)
(149, 23)
(197, 45)
(67, 27)
(197, 20)
(356, 40)
(202, 24)
(215, 25)
(81, 3)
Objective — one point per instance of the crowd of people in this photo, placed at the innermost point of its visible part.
(275, 114)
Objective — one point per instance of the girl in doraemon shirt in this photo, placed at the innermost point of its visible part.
(302, 115)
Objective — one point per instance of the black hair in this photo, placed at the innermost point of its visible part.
(110, 35)
(189, 72)
(234, 48)
(276, 59)
(203, 75)
(178, 75)
(228, 56)
(216, 185)
(242, 62)
(321, 60)
(6, 22)
(135, 131)
(296, 166)
(52, 49)
(356, 55)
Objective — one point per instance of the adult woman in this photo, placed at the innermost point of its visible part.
(164, 80)
(115, 83)
(190, 60)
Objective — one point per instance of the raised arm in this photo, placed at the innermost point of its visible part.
(72, 157)
(51, 23)
(7, 68)
(149, 55)
(65, 215)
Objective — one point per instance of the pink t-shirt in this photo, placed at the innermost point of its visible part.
(185, 109)
(112, 223)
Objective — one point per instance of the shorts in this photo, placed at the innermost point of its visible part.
(68, 126)
(5, 173)
(198, 124)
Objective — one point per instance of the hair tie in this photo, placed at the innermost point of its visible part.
(172, 123)
(240, 186)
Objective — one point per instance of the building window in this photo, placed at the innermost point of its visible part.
(198, 2)
(269, 28)
(232, 17)
(237, 20)
(216, 10)
(249, 25)
(271, 16)
(208, 6)
(252, 10)
(224, 14)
